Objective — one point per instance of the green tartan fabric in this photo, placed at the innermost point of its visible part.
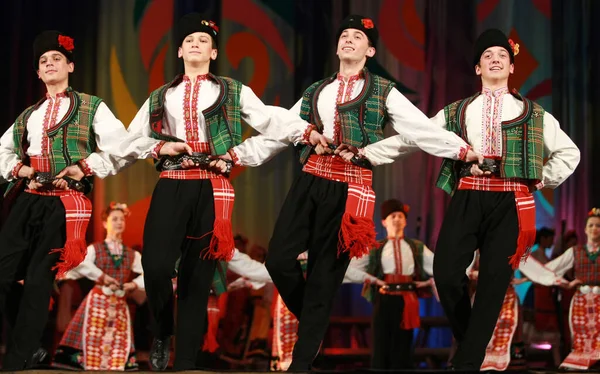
(75, 130)
(375, 269)
(362, 119)
(522, 143)
(223, 119)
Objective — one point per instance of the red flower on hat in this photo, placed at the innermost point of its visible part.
(367, 23)
(66, 42)
(514, 46)
(213, 26)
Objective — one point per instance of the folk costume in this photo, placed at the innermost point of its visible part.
(190, 211)
(100, 335)
(506, 349)
(584, 313)
(399, 262)
(495, 213)
(329, 207)
(45, 230)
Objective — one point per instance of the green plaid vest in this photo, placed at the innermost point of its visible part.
(71, 139)
(586, 266)
(222, 118)
(522, 143)
(362, 119)
(375, 269)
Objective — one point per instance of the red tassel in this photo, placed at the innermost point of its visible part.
(356, 236)
(222, 243)
(70, 256)
(526, 216)
(524, 244)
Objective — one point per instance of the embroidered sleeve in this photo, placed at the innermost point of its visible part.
(85, 168)
(156, 149)
(234, 157)
(306, 135)
(15, 170)
(462, 154)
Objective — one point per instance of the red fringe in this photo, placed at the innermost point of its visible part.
(210, 338)
(222, 243)
(356, 236)
(524, 243)
(70, 256)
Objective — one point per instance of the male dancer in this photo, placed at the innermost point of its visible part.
(492, 207)
(191, 206)
(49, 152)
(330, 206)
(393, 274)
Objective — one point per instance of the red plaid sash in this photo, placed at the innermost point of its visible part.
(357, 232)
(221, 244)
(525, 209)
(78, 210)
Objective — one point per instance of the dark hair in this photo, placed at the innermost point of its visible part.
(544, 232)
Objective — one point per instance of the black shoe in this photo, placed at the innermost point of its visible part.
(298, 367)
(37, 358)
(160, 353)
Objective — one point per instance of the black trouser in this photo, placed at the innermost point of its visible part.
(309, 219)
(179, 224)
(392, 346)
(35, 226)
(475, 220)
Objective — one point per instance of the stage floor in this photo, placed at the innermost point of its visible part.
(359, 370)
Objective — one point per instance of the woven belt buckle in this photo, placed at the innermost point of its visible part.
(43, 177)
(489, 165)
(174, 162)
(46, 178)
